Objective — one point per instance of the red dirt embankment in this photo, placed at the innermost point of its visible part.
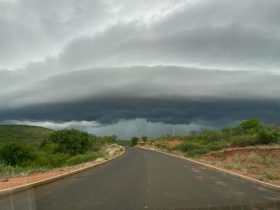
(262, 163)
(173, 143)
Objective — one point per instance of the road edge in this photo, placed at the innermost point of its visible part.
(255, 181)
(28, 186)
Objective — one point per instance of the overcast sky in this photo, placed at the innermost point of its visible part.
(116, 66)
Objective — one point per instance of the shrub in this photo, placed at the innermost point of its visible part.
(200, 151)
(219, 145)
(99, 141)
(144, 138)
(89, 156)
(50, 148)
(244, 140)
(71, 141)
(96, 143)
(51, 160)
(134, 141)
(233, 167)
(193, 148)
(227, 131)
(124, 143)
(270, 176)
(251, 126)
(211, 136)
(268, 136)
(161, 145)
(17, 154)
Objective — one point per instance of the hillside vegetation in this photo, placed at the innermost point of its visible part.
(23, 134)
(27, 149)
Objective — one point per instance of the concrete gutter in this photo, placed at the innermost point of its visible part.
(261, 183)
(28, 186)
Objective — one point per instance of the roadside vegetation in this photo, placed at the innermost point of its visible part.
(252, 147)
(23, 150)
(248, 133)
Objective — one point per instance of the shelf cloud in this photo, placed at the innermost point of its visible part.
(206, 62)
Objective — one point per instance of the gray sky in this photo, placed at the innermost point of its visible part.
(117, 62)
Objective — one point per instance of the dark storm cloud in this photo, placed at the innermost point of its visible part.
(144, 82)
(162, 94)
(176, 111)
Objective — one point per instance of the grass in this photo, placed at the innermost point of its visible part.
(233, 167)
(267, 159)
(269, 175)
(254, 157)
(89, 156)
(8, 171)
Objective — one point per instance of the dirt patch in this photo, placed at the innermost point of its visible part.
(173, 143)
(262, 163)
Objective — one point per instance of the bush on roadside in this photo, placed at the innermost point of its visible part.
(268, 136)
(211, 136)
(72, 141)
(193, 148)
(125, 143)
(134, 141)
(18, 154)
(219, 145)
(145, 138)
(244, 140)
(50, 160)
(50, 148)
(161, 145)
(251, 126)
(81, 158)
(99, 141)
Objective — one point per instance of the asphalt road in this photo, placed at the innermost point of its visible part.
(142, 179)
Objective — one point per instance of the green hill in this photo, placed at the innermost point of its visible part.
(23, 134)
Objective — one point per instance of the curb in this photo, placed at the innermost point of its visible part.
(255, 181)
(28, 186)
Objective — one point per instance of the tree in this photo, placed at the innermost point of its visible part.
(251, 126)
(134, 141)
(211, 136)
(71, 141)
(268, 136)
(145, 138)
